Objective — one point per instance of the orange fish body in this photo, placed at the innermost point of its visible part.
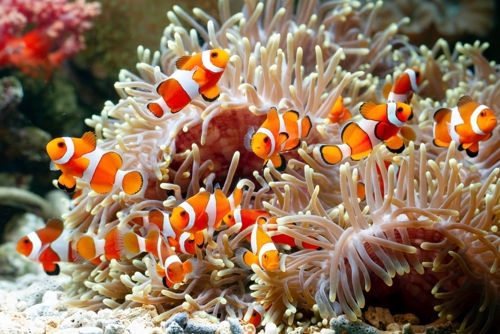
(264, 252)
(279, 133)
(90, 247)
(194, 75)
(204, 210)
(183, 242)
(404, 87)
(247, 217)
(380, 124)
(82, 158)
(339, 113)
(257, 315)
(48, 246)
(467, 124)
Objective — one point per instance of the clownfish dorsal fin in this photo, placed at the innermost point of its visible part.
(247, 141)
(181, 62)
(282, 137)
(89, 138)
(464, 100)
(291, 116)
(272, 115)
(366, 108)
(54, 224)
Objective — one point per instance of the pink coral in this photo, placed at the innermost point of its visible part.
(57, 28)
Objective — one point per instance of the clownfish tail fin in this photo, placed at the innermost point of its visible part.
(155, 109)
(330, 154)
(131, 244)
(192, 268)
(240, 257)
(132, 182)
(85, 247)
(247, 141)
(306, 126)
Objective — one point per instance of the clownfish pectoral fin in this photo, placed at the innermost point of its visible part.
(192, 268)
(89, 138)
(440, 114)
(52, 269)
(200, 77)
(278, 162)
(245, 258)
(386, 90)
(181, 62)
(155, 109)
(210, 94)
(366, 110)
(462, 130)
(330, 154)
(395, 144)
(247, 141)
(381, 130)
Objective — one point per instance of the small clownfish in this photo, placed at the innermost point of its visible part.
(264, 252)
(204, 210)
(48, 246)
(80, 157)
(183, 242)
(467, 124)
(404, 87)
(91, 247)
(257, 315)
(339, 113)
(194, 75)
(171, 267)
(280, 238)
(247, 217)
(279, 133)
(380, 124)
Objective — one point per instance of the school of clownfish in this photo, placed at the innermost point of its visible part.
(192, 223)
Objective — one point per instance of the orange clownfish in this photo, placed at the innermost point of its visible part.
(467, 124)
(339, 113)
(404, 87)
(183, 242)
(204, 210)
(247, 217)
(171, 267)
(380, 124)
(264, 252)
(80, 157)
(90, 247)
(48, 246)
(279, 133)
(257, 315)
(194, 75)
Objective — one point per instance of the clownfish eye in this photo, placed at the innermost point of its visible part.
(26, 241)
(169, 270)
(400, 109)
(482, 114)
(265, 256)
(254, 314)
(214, 54)
(190, 241)
(183, 213)
(60, 144)
(266, 139)
(417, 74)
(230, 216)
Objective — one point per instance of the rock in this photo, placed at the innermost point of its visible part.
(90, 330)
(407, 318)
(341, 324)
(378, 317)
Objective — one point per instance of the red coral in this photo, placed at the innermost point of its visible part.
(37, 35)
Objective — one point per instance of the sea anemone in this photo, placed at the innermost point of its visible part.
(433, 223)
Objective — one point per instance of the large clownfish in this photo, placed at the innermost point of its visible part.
(80, 157)
(279, 133)
(404, 87)
(204, 210)
(194, 75)
(183, 242)
(264, 252)
(48, 246)
(380, 124)
(171, 268)
(467, 124)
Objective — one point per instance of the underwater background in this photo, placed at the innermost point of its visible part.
(68, 67)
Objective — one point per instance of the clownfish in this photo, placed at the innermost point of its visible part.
(171, 268)
(279, 133)
(404, 87)
(183, 242)
(204, 210)
(467, 124)
(48, 246)
(280, 238)
(264, 252)
(194, 75)
(90, 247)
(247, 217)
(256, 316)
(339, 113)
(80, 157)
(380, 124)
